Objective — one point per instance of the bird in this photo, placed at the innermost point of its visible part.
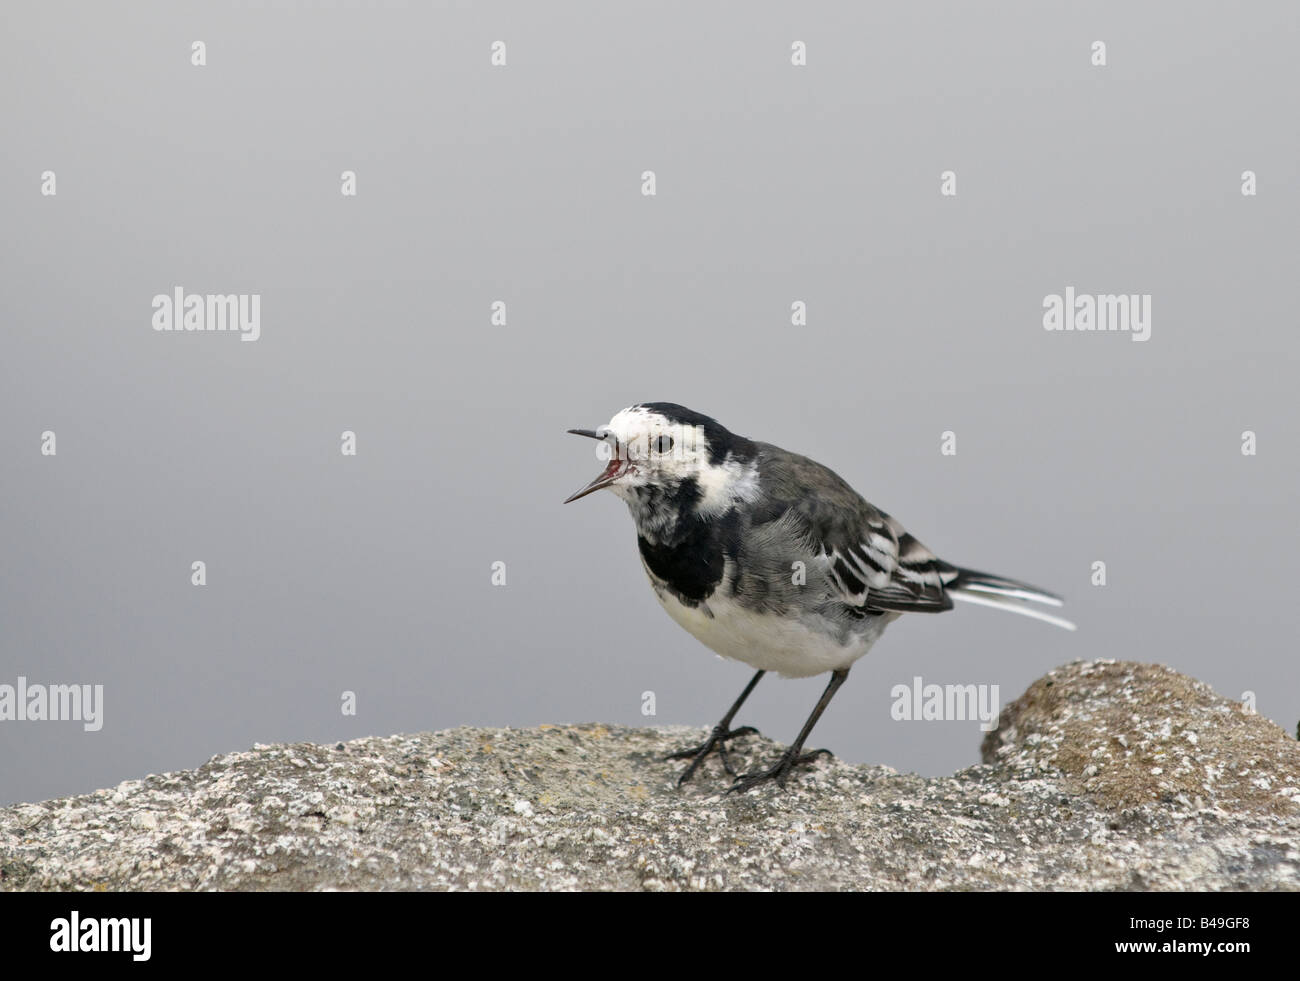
(772, 559)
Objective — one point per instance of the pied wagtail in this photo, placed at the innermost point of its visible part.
(770, 558)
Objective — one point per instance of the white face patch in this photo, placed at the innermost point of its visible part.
(636, 428)
(666, 453)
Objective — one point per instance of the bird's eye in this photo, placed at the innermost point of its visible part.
(663, 444)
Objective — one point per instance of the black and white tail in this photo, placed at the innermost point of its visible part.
(1005, 594)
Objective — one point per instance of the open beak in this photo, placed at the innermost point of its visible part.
(611, 473)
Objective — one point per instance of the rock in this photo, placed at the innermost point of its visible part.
(1126, 734)
(1103, 775)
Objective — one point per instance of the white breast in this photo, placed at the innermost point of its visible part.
(766, 641)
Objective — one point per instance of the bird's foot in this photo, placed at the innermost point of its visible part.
(717, 741)
(788, 761)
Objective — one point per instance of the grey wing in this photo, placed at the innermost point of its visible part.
(869, 559)
(879, 566)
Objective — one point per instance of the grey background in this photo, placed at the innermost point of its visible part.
(523, 184)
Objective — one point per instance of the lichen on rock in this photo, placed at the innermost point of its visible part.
(1103, 775)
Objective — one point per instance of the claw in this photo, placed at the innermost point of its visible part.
(780, 772)
(717, 741)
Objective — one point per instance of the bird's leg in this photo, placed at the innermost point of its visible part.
(718, 738)
(793, 756)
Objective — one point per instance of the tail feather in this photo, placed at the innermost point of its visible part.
(984, 589)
